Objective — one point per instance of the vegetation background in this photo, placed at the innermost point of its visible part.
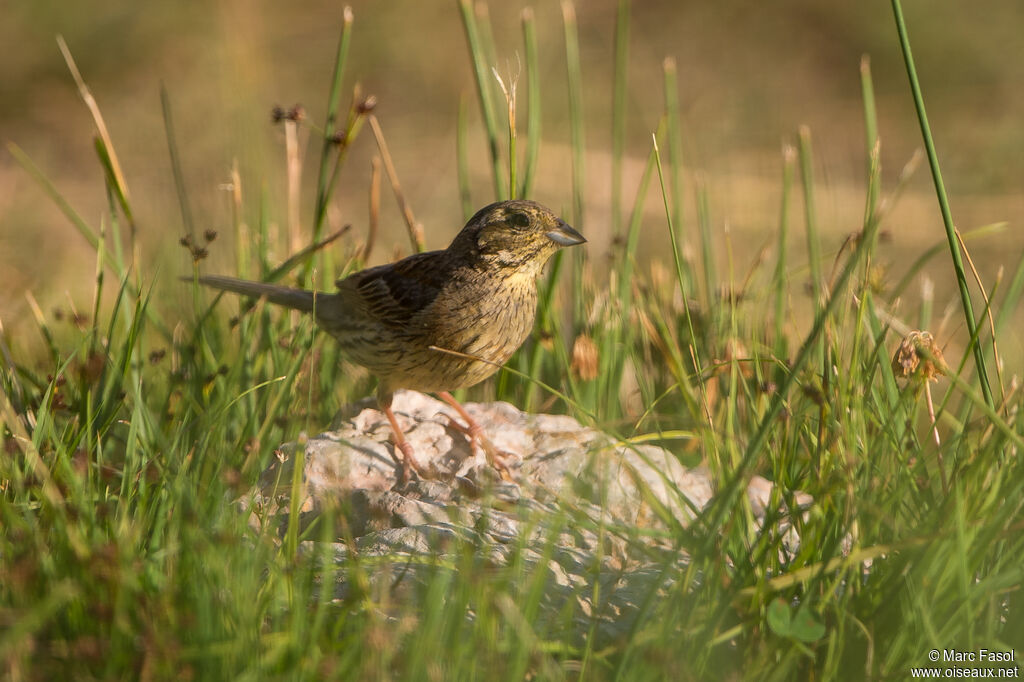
(749, 75)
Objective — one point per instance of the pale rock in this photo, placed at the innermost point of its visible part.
(568, 481)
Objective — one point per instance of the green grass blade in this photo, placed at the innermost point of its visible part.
(810, 214)
(483, 88)
(724, 503)
(179, 177)
(780, 280)
(675, 145)
(619, 87)
(324, 182)
(48, 187)
(533, 118)
(462, 162)
(575, 84)
(874, 170)
(940, 191)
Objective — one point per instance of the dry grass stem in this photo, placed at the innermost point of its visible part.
(415, 229)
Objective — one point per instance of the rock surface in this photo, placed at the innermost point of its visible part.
(570, 484)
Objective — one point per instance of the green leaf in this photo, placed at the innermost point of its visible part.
(780, 620)
(806, 627)
(802, 625)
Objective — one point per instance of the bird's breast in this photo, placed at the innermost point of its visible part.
(489, 321)
(475, 315)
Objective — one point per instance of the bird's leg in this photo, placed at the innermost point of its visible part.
(476, 435)
(408, 458)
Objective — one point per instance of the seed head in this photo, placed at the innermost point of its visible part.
(918, 356)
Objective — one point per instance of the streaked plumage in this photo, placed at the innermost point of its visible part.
(478, 297)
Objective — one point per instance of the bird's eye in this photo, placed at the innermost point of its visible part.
(519, 220)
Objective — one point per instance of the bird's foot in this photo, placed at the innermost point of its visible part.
(407, 464)
(477, 438)
(408, 468)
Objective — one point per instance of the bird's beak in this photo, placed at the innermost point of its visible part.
(564, 235)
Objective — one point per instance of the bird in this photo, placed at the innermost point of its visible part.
(440, 320)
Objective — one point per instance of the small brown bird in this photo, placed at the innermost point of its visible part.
(476, 299)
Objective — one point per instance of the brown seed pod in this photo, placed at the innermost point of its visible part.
(584, 358)
(918, 356)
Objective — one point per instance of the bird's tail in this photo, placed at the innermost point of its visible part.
(299, 299)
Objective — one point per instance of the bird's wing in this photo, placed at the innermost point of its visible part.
(395, 293)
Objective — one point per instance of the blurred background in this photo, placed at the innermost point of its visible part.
(749, 75)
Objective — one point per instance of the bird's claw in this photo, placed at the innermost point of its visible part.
(477, 438)
(408, 468)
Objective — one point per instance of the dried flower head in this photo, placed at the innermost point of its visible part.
(198, 252)
(584, 358)
(91, 369)
(368, 104)
(918, 356)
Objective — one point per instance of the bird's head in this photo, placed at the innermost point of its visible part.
(518, 235)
